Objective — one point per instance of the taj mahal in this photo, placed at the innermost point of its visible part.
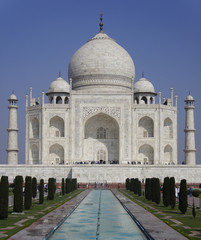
(102, 124)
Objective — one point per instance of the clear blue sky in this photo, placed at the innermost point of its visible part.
(38, 39)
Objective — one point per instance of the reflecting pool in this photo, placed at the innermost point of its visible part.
(99, 216)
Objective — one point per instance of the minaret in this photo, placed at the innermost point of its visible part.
(12, 149)
(190, 150)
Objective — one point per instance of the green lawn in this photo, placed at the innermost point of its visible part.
(183, 223)
(16, 222)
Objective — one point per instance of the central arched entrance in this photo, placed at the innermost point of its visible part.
(101, 140)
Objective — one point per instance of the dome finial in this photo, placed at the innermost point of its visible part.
(101, 23)
(59, 74)
(143, 74)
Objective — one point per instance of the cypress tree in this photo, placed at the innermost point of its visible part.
(157, 191)
(132, 185)
(34, 187)
(148, 188)
(28, 193)
(4, 197)
(68, 185)
(139, 191)
(172, 193)
(152, 190)
(51, 188)
(127, 183)
(41, 191)
(135, 187)
(73, 184)
(18, 194)
(63, 186)
(166, 191)
(183, 204)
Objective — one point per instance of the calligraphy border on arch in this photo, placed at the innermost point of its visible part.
(112, 111)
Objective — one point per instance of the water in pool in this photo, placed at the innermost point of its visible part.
(99, 216)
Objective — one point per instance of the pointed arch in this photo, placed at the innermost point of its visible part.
(66, 100)
(146, 154)
(34, 156)
(168, 154)
(56, 128)
(58, 100)
(101, 131)
(146, 127)
(143, 100)
(168, 128)
(56, 154)
(34, 129)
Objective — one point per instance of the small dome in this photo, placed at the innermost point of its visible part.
(59, 86)
(143, 85)
(189, 98)
(12, 97)
(101, 61)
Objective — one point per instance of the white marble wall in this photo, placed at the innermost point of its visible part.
(104, 173)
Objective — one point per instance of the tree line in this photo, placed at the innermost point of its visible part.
(153, 191)
(24, 193)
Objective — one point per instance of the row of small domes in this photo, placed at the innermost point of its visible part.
(60, 85)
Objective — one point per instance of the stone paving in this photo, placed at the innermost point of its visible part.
(44, 225)
(154, 226)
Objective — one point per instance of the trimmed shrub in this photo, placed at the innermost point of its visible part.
(63, 186)
(41, 192)
(73, 184)
(166, 191)
(68, 185)
(51, 188)
(34, 187)
(152, 190)
(127, 184)
(135, 186)
(183, 204)
(196, 192)
(172, 193)
(28, 193)
(139, 189)
(132, 185)
(148, 188)
(157, 190)
(4, 197)
(18, 194)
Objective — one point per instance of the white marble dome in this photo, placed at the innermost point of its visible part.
(143, 85)
(59, 86)
(189, 98)
(101, 61)
(13, 97)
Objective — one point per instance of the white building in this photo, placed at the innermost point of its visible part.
(102, 116)
(101, 125)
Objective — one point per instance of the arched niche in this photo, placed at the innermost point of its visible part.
(58, 100)
(56, 154)
(101, 131)
(146, 127)
(56, 128)
(146, 154)
(168, 154)
(168, 128)
(34, 156)
(34, 128)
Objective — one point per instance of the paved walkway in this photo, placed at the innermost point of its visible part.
(154, 226)
(44, 225)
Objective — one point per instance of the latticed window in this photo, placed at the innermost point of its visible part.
(101, 133)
